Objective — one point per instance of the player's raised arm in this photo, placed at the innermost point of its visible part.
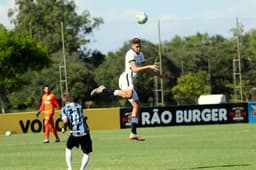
(136, 68)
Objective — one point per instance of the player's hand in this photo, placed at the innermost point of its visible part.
(63, 130)
(85, 118)
(154, 67)
(37, 114)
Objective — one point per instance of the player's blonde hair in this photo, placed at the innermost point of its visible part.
(67, 97)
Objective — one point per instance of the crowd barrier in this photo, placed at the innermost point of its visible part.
(118, 118)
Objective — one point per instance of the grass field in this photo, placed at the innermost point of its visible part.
(208, 147)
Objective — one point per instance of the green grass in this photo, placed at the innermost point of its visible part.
(208, 147)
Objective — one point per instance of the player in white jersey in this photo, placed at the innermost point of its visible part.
(73, 117)
(133, 60)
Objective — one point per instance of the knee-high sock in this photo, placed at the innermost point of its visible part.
(134, 121)
(46, 131)
(108, 91)
(68, 156)
(52, 128)
(85, 161)
(55, 133)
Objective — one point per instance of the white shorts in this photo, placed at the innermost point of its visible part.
(126, 82)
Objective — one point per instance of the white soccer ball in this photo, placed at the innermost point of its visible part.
(141, 18)
(8, 133)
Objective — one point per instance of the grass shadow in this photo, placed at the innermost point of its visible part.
(221, 166)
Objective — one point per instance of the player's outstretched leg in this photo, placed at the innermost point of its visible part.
(98, 90)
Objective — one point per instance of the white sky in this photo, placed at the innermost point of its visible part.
(177, 17)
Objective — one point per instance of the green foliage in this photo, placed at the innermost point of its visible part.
(108, 72)
(189, 87)
(80, 78)
(212, 54)
(19, 53)
(80, 81)
(2, 28)
(42, 20)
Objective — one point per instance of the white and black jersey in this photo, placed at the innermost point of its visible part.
(131, 55)
(127, 77)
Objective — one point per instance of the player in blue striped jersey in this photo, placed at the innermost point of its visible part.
(73, 117)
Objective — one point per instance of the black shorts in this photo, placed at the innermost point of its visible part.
(84, 141)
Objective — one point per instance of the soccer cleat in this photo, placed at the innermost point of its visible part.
(136, 137)
(57, 141)
(46, 141)
(98, 90)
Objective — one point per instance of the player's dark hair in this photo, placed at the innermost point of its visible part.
(46, 85)
(135, 41)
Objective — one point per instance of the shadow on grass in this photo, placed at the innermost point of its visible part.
(220, 166)
(214, 166)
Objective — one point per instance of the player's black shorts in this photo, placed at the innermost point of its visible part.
(84, 141)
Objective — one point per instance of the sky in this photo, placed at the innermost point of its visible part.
(176, 17)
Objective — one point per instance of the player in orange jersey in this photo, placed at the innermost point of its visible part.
(49, 101)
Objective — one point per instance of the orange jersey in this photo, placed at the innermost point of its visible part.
(49, 101)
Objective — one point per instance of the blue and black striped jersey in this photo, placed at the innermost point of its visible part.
(76, 120)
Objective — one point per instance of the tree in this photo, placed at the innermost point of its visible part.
(80, 82)
(175, 51)
(189, 87)
(248, 61)
(212, 54)
(42, 18)
(2, 28)
(18, 54)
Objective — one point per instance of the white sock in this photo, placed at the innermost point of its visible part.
(85, 161)
(68, 155)
(116, 92)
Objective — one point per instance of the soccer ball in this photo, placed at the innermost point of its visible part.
(141, 18)
(8, 133)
